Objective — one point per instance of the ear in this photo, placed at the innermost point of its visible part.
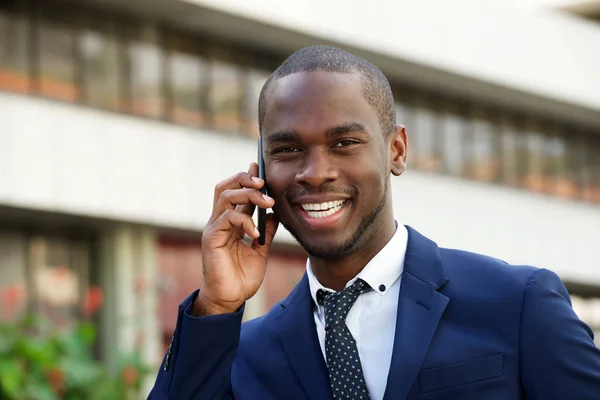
(398, 146)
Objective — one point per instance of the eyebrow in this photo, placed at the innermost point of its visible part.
(345, 128)
(291, 136)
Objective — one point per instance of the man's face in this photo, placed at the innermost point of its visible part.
(327, 162)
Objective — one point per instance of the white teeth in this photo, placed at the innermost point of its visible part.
(316, 210)
(328, 205)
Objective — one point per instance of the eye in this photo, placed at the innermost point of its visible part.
(345, 143)
(288, 149)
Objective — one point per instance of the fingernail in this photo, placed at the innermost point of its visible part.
(256, 179)
(267, 197)
(256, 232)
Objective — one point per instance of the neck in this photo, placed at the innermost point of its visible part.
(335, 273)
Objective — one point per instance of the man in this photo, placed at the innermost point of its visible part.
(382, 312)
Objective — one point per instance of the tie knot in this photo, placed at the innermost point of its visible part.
(338, 304)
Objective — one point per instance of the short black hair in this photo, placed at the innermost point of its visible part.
(376, 87)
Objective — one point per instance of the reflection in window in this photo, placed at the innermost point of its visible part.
(404, 114)
(426, 141)
(573, 164)
(13, 277)
(404, 117)
(226, 96)
(188, 75)
(591, 172)
(101, 63)
(555, 165)
(484, 153)
(255, 79)
(14, 51)
(57, 66)
(145, 75)
(454, 136)
(535, 179)
(60, 277)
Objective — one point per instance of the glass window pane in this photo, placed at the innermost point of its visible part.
(555, 163)
(13, 277)
(101, 63)
(426, 140)
(255, 79)
(404, 114)
(535, 179)
(513, 152)
(405, 117)
(14, 51)
(574, 158)
(60, 271)
(454, 127)
(226, 95)
(145, 74)
(188, 82)
(591, 169)
(57, 66)
(485, 155)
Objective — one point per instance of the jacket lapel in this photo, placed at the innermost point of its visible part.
(420, 307)
(298, 335)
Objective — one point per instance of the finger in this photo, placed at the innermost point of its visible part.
(238, 181)
(231, 224)
(232, 198)
(253, 169)
(249, 208)
(270, 230)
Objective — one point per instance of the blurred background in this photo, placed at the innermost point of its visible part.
(117, 118)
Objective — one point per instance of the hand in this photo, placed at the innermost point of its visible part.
(232, 270)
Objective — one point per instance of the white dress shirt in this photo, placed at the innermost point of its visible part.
(372, 319)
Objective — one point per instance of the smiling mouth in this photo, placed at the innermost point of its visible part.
(322, 210)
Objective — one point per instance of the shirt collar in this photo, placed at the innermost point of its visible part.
(383, 269)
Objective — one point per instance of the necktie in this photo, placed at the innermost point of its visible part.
(343, 361)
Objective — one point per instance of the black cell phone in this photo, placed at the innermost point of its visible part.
(262, 212)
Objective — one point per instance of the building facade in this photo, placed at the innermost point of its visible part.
(118, 118)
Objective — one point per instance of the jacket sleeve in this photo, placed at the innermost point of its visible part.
(198, 363)
(558, 357)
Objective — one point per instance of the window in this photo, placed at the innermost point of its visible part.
(13, 276)
(56, 56)
(426, 141)
(102, 64)
(188, 82)
(226, 93)
(59, 273)
(484, 155)
(404, 114)
(255, 79)
(14, 51)
(404, 117)
(555, 165)
(573, 174)
(534, 180)
(591, 170)
(454, 130)
(145, 73)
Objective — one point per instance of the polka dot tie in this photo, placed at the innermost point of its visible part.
(345, 371)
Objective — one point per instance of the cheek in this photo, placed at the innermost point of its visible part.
(277, 181)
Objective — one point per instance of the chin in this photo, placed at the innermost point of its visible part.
(323, 249)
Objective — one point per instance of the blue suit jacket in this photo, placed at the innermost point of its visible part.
(469, 327)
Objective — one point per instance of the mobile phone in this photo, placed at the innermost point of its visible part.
(262, 212)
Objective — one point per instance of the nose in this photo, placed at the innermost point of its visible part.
(317, 169)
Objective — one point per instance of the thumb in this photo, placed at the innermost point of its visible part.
(270, 230)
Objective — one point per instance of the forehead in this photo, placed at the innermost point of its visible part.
(316, 101)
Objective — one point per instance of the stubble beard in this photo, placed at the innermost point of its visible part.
(345, 248)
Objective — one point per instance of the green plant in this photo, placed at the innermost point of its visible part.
(39, 361)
